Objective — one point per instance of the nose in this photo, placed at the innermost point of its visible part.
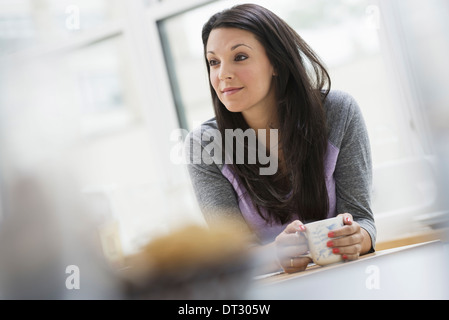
(225, 72)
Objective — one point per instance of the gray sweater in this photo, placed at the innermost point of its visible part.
(348, 171)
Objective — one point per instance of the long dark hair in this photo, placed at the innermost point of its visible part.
(301, 86)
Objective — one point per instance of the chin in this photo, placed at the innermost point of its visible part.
(234, 108)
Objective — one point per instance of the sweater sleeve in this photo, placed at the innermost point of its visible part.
(216, 197)
(353, 172)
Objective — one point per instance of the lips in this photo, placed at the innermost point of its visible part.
(231, 90)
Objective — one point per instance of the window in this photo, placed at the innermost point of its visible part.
(25, 24)
(73, 97)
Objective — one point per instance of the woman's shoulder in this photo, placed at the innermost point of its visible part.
(198, 131)
(205, 141)
(339, 103)
(210, 124)
(341, 109)
(206, 134)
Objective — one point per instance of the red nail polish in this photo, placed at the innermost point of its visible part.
(302, 228)
(330, 244)
(335, 250)
(345, 257)
(331, 234)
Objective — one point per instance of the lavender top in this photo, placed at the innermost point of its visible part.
(348, 171)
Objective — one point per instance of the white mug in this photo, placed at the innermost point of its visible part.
(316, 234)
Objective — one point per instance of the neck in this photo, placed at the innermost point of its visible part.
(265, 119)
(266, 123)
(262, 118)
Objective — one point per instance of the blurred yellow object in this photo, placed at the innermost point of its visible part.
(110, 243)
(193, 262)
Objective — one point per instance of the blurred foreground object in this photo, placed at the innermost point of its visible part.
(30, 255)
(45, 235)
(193, 262)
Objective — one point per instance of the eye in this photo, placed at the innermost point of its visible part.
(240, 57)
(213, 62)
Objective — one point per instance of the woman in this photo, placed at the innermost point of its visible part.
(265, 79)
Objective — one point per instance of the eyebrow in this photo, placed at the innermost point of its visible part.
(234, 47)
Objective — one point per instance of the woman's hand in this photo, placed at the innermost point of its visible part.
(352, 241)
(290, 245)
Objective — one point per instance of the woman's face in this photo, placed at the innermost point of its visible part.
(240, 71)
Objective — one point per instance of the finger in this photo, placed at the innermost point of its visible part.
(344, 241)
(346, 230)
(290, 239)
(348, 257)
(348, 250)
(347, 218)
(294, 227)
(291, 265)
